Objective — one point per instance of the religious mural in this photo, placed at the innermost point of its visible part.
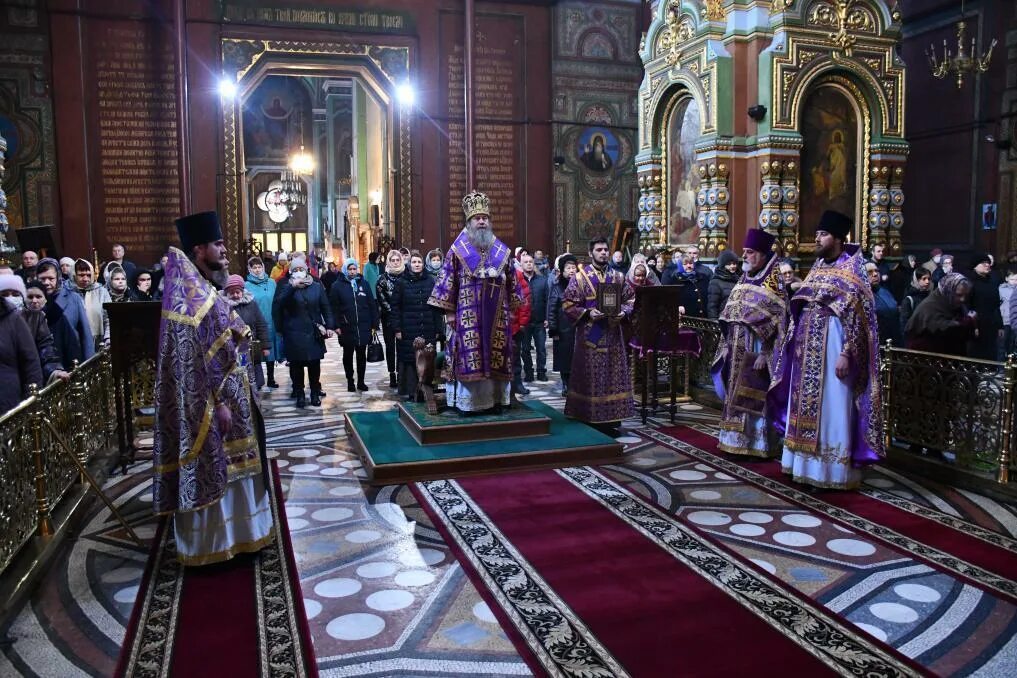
(275, 115)
(829, 157)
(598, 150)
(683, 129)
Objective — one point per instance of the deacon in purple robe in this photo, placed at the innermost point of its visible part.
(476, 290)
(600, 388)
(826, 377)
(754, 321)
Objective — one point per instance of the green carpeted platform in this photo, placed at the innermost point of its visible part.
(391, 455)
(448, 426)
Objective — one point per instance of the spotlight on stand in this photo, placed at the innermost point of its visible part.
(757, 112)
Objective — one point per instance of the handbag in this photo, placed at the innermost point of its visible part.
(375, 351)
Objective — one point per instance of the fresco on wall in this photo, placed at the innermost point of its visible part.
(598, 150)
(683, 129)
(273, 117)
(829, 158)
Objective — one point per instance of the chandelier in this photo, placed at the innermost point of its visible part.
(302, 162)
(963, 62)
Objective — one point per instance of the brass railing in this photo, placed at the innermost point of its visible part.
(962, 408)
(42, 442)
(696, 371)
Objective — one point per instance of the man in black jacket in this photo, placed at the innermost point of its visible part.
(536, 330)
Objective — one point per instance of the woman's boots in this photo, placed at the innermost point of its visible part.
(392, 380)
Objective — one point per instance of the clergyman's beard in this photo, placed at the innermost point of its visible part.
(481, 238)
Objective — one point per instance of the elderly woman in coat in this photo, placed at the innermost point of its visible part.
(302, 314)
(242, 301)
(356, 317)
(262, 288)
(412, 318)
(385, 288)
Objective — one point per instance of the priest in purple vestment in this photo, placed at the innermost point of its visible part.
(600, 389)
(476, 289)
(207, 454)
(826, 377)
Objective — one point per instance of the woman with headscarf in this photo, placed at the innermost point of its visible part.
(942, 323)
(356, 318)
(683, 276)
(560, 328)
(15, 292)
(116, 283)
(262, 288)
(432, 264)
(394, 268)
(412, 318)
(639, 273)
(723, 281)
(242, 302)
(93, 295)
(302, 314)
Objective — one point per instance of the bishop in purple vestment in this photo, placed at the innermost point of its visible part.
(600, 388)
(476, 290)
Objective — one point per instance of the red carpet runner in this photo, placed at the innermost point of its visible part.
(244, 617)
(591, 581)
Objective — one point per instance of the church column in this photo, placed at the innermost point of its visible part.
(651, 206)
(712, 200)
(788, 233)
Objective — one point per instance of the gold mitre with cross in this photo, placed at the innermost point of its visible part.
(475, 203)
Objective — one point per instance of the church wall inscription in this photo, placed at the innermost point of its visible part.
(135, 106)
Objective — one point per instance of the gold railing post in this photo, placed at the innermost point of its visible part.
(1006, 435)
(78, 398)
(41, 496)
(886, 379)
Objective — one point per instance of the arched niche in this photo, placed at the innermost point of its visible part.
(681, 126)
(835, 126)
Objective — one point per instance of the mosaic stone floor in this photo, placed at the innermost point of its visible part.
(383, 594)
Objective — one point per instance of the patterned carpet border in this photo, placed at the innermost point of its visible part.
(282, 630)
(836, 644)
(559, 640)
(961, 568)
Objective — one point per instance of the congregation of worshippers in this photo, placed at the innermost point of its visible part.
(774, 315)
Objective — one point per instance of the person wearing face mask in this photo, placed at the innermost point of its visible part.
(753, 320)
(723, 281)
(15, 292)
(263, 288)
(412, 318)
(651, 263)
(433, 262)
(887, 312)
(19, 358)
(826, 375)
(386, 287)
(945, 268)
(560, 326)
(65, 315)
(302, 314)
(935, 258)
(242, 301)
(356, 319)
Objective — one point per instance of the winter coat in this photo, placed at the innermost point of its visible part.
(521, 316)
(72, 311)
(19, 359)
(328, 279)
(94, 296)
(247, 309)
(412, 316)
(688, 294)
(721, 284)
(383, 294)
(371, 274)
(296, 313)
(914, 297)
(561, 329)
(263, 290)
(985, 301)
(938, 326)
(538, 304)
(49, 356)
(887, 316)
(355, 313)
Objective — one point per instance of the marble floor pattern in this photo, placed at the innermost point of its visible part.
(383, 594)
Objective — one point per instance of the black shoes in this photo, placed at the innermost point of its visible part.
(361, 386)
(528, 379)
(392, 383)
(542, 376)
(301, 403)
(350, 386)
(520, 388)
(316, 398)
(272, 384)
